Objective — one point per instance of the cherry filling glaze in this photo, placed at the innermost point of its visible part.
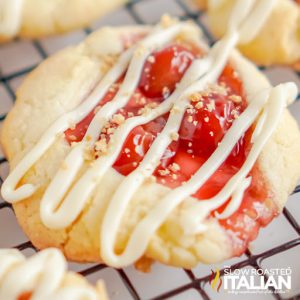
(25, 296)
(206, 121)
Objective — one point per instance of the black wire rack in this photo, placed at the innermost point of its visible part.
(195, 283)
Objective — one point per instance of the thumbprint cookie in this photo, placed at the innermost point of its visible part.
(36, 18)
(144, 143)
(278, 38)
(43, 276)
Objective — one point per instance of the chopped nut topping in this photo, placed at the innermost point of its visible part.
(101, 146)
(205, 93)
(72, 137)
(174, 176)
(220, 89)
(235, 74)
(174, 167)
(109, 59)
(190, 119)
(211, 106)
(110, 130)
(141, 100)
(144, 111)
(88, 138)
(235, 98)
(235, 113)
(88, 154)
(191, 111)
(199, 104)
(195, 97)
(147, 109)
(174, 136)
(151, 59)
(118, 119)
(164, 172)
(152, 105)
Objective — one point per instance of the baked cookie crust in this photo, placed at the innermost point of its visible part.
(277, 43)
(14, 261)
(43, 18)
(57, 86)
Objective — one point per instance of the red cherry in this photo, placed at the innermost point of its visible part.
(76, 134)
(205, 128)
(199, 135)
(136, 145)
(25, 296)
(189, 163)
(165, 70)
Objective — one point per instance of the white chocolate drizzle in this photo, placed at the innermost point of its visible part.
(65, 198)
(10, 17)
(41, 274)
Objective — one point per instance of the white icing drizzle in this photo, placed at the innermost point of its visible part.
(75, 200)
(261, 10)
(9, 191)
(143, 232)
(65, 199)
(42, 274)
(10, 17)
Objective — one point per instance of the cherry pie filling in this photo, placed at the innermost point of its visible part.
(25, 296)
(206, 121)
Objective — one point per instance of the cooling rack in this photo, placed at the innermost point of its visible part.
(276, 246)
